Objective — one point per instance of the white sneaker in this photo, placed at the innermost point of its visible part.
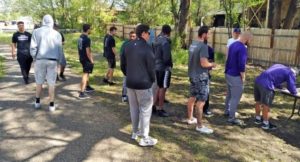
(192, 121)
(37, 105)
(136, 135)
(204, 130)
(148, 141)
(52, 108)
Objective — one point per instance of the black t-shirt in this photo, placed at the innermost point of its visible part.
(83, 42)
(23, 42)
(109, 43)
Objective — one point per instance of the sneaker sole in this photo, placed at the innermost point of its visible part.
(146, 145)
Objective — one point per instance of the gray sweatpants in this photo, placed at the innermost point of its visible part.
(140, 103)
(235, 89)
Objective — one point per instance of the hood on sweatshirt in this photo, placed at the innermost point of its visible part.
(48, 21)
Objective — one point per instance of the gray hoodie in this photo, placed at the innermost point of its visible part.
(46, 43)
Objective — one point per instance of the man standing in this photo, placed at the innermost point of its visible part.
(110, 53)
(264, 87)
(198, 74)
(132, 36)
(137, 64)
(235, 76)
(63, 61)
(46, 49)
(21, 40)
(86, 60)
(235, 36)
(163, 67)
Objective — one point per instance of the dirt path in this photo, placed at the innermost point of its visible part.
(77, 131)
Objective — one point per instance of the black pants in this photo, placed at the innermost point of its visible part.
(25, 64)
(206, 105)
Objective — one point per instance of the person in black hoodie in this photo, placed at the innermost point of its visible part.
(137, 64)
(163, 67)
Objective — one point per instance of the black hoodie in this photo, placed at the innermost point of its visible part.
(162, 52)
(137, 64)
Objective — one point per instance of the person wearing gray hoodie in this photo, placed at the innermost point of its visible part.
(46, 50)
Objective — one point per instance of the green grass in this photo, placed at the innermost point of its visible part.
(5, 38)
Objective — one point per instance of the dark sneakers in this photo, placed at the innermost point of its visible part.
(83, 96)
(162, 113)
(111, 83)
(105, 80)
(63, 78)
(269, 126)
(89, 89)
(258, 122)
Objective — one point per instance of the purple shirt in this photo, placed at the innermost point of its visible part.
(236, 60)
(274, 76)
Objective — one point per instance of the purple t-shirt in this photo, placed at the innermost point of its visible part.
(274, 76)
(236, 60)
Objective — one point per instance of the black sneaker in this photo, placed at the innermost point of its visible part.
(154, 111)
(111, 83)
(83, 96)
(208, 113)
(269, 126)
(258, 122)
(63, 78)
(26, 81)
(162, 113)
(124, 99)
(89, 89)
(105, 80)
(236, 122)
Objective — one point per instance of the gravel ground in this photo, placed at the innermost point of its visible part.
(77, 131)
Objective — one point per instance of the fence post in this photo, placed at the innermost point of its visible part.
(214, 38)
(123, 31)
(297, 60)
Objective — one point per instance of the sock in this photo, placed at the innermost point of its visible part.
(258, 117)
(266, 122)
(51, 103)
(37, 100)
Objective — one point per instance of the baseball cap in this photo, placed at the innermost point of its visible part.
(237, 30)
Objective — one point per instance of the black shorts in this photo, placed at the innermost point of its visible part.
(263, 95)
(163, 79)
(87, 66)
(111, 63)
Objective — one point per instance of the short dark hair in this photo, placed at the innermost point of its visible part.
(132, 32)
(112, 28)
(140, 29)
(20, 22)
(166, 29)
(56, 25)
(86, 27)
(203, 30)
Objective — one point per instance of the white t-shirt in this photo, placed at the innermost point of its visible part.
(230, 41)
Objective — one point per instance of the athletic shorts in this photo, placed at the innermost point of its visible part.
(87, 67)
(163, 79)
(263, 95)
(111, 63)
(45, 69)
(199, 87)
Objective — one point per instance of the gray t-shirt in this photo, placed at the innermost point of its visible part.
(197, 50)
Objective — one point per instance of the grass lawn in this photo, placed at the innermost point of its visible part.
(4, 39)
(179, 141)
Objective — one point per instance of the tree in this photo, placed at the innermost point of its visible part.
(180, 17)
(289, 18)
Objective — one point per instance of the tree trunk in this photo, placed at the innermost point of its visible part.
(277, 14)
(183, 17)
(288, 22)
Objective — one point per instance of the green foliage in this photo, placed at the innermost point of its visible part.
(201, 8)
(180, 56)
(2, 66)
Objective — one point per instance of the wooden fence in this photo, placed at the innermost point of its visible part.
(266, 48)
